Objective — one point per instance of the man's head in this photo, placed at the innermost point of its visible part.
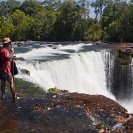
(6, 42)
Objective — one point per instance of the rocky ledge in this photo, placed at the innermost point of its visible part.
(64, 113)
(124, 47)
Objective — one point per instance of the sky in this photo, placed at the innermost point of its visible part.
(91, 9)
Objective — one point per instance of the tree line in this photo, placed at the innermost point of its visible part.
(68, 20)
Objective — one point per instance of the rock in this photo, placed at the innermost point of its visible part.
(98, 42)
(20, 44)
(102, 131)
(50, 45)
(71, 112)
(25, 71)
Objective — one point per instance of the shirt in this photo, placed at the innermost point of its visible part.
(6, 67)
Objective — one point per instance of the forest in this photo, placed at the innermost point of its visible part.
(68, 20)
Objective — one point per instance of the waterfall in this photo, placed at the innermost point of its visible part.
(119, 78)
(123, 85)
(109, 57)
(82, 72)
(71, 68)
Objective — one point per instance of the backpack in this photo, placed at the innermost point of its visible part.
(0, 59)
(0, 63)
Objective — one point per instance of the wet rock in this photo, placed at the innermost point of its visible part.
(71, 112)
(20, 44)
(25, 71)
(98, 42)
(129, 124)
(52, 46)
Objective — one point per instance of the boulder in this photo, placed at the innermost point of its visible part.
(20, 44)
(25, 71)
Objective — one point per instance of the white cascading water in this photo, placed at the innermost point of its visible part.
(127, 104)
(83, 72)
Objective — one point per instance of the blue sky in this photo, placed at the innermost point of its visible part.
(91, 10)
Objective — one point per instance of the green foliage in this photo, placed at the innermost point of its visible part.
(7, 7)
(99, 126)
(31, 7)
(73, 22)
(124, 58)
(55, 90)
(26, 89)
(95, 32)
(51, 4)
(53, 20)
(22, 23)
(124, 55)
(6, 28)
(113, 24)
(126, 24)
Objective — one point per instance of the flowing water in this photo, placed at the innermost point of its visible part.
(76, 67)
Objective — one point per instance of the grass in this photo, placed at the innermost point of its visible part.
(26, 89)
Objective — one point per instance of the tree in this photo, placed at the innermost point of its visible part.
(6, 28)
(68, 24)
(8, 7)
(113, 13)
(84, 4)
(22, 24)
(99, 5)
(52, 4)
(31, 7)
(126, 24)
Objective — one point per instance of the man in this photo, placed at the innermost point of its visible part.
(5, 69)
